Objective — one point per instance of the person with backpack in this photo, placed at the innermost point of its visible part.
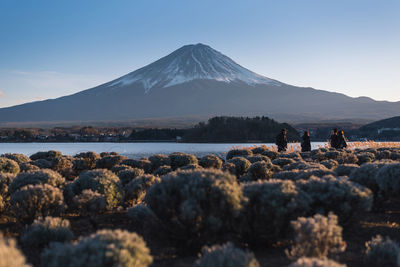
(341, 142)
(334, 140)
(281, 141)
(306, 143)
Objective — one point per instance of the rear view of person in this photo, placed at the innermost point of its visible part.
(306, 143)
(334, 140)
(341, 141)
(281, 140)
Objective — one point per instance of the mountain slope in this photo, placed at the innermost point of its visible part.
(196, 80)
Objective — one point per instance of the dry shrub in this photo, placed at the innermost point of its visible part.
(136, 189)
(102, 249)
(388, 180)
(8, 166)
(10, 255)
(33, 201)
(118, 168)
(19, 158)
(338, 195)
(196, 206)
(179, 159)
(45, 176)
(159, 160)
(226, 255)
(102, 181)
(260, 170)
(345, 169)
(211, 161)
(283, 161)
(126, 176)
(316, 236)
(330, 163)
(25, 167)
(5, 181)
(108, 162)
(270, 154)
(257, 158)
(382, 251)
(242, 165)
(162, 170)
(270, 207)
(316, 262)
(245, 152)
(143, 164)
(89, 203)
(45, 230)
(85, 160)
(47, 155)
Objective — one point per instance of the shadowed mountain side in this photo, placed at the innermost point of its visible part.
(200, 98)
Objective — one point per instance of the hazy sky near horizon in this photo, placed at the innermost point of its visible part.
(53, 48)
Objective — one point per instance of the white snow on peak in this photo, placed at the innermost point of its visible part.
(189, 63)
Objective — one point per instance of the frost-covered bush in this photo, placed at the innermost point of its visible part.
(108, 162)
(283, 161)
(25, 167)
(33, 201)
(316, 262)
(47, 155)
(136, 189)
(330, 163)
(388, 180)
(159, 160)
(45, 176)
(242, 165)
(8, 165)
(226, 255)
(89, 202)
(345, 169)
(270, 207)
(128, 175)
(260, 170)
(86, 160)
(196, 206)
(19, 158)
(10, 255)
(102, 249)
(45, 230)
(245, 152)
(316, 236)
(211, 161)
(382, 251)
(162, 170)
(257, 158)
(338, 195)
(179, 159)
(102, 181)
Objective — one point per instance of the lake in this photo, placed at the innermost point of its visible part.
(131, 150)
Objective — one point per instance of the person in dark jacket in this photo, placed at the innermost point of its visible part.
(306, 144)
(334, 139)
(341, 140)
(281, 140)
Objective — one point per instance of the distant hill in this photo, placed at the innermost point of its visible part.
(387, 129)
(196, 81)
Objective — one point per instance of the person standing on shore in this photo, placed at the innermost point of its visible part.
(334, 140)
(281, 141)
(306, 144)
(341, 141)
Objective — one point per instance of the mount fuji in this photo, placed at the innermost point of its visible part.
(197, 81)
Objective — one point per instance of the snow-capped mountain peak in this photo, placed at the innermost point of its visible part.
(188, 63)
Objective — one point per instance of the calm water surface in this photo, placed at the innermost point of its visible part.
(132, 150)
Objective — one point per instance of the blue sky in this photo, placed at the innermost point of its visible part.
(54, 48)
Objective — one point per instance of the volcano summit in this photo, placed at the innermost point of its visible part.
(197, 81)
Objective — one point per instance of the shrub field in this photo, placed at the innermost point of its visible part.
(254, 207)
